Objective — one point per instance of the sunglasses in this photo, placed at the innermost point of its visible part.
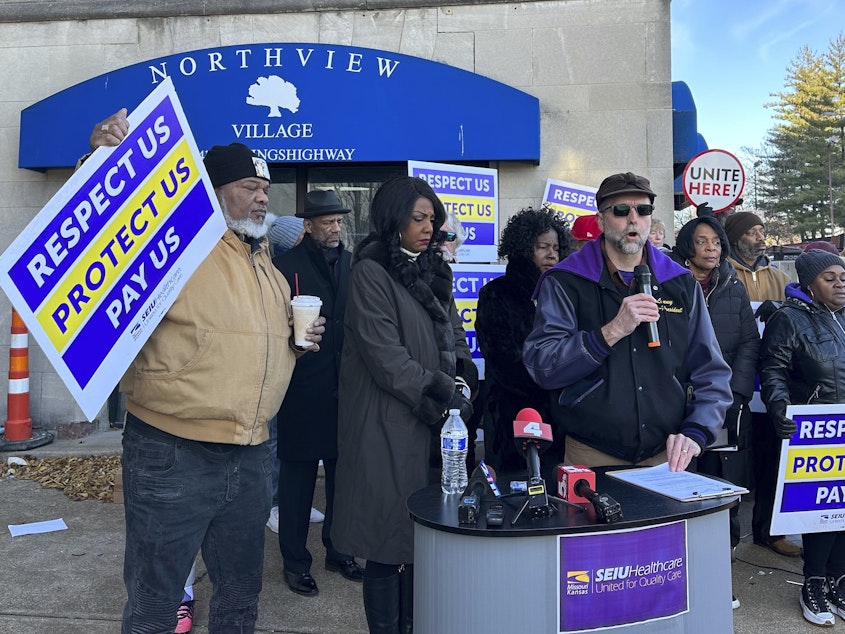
(451, 236)
(624, 210)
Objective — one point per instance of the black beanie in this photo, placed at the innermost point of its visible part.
(229, 163)
(811, 263)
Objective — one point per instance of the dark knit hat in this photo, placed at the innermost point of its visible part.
(811, 263)
(322, 202)
(823, 245)
(229, 163)
(737, 224)
(627, 183)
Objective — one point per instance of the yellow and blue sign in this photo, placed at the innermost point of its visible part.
(569, 200)
(472, 195)
(467, 280)
(810, 496)
(98, 267)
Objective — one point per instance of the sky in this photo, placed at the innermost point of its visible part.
(733, 54)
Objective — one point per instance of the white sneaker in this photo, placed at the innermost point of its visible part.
(316, 517)
(273, 520)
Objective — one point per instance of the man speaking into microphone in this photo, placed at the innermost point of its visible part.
(636, 372)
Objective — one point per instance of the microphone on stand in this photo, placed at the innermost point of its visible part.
(575, 484)
(532, 437)
(607, 509)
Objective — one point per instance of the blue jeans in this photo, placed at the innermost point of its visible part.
(183, 495)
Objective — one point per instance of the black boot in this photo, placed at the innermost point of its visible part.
(381, 604)
(406, 599)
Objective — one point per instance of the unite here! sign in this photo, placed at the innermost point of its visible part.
(96, 270)
(715, 177)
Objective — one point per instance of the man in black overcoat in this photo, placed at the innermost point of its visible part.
(307, 420)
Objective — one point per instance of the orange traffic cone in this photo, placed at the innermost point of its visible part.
(18, 434)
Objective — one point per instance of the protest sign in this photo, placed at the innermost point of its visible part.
(810, 495)
(472, 194)
(715, 177)
(467, 281)
(569, 200)
(98, 267)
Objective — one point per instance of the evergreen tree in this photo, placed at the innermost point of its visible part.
(806, 145)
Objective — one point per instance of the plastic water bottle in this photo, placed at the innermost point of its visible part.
(453, 451)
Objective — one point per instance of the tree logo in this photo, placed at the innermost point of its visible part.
(274, 93)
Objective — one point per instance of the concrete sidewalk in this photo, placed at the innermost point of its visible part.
(70, 582)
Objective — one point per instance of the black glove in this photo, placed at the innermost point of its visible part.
(704, 210)
(766, 310)
(784, 427)
(459, 401)
(732, 416)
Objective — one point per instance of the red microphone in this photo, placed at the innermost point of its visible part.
(532, 436)
(568, 476)
(530, 430)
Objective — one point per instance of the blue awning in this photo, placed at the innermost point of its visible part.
(303, 102)
(686, 139)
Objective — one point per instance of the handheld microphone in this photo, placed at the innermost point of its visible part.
(642, 275)
(607, 509)
(532, 436)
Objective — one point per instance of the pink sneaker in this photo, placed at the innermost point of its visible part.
(184, 617)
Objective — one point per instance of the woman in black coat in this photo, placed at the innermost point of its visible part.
(532, 242)
(702, 247)
(802, 361)
(403, 350)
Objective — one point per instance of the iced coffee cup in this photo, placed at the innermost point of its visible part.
(306, 309)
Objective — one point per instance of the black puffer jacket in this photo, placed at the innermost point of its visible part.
(802, 358)
(729, 308)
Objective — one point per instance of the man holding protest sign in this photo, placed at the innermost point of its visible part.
(200, 393)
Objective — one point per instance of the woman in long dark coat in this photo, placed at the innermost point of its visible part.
(404, 347)
(533, 241)
(702, 247)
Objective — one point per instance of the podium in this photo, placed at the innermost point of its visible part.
(664, 568)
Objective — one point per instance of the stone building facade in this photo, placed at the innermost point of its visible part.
(599, 68)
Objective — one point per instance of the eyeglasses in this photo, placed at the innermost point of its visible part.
(451, 236)
(623, 210)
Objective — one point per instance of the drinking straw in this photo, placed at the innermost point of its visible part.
(296, 282)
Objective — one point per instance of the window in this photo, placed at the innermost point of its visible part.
(355, 186)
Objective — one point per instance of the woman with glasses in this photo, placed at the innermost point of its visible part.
(405, 363)
(702, 247)
(533, 241)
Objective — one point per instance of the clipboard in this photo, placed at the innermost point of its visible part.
(681, 485)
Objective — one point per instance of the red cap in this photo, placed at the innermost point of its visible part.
(585, 228)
